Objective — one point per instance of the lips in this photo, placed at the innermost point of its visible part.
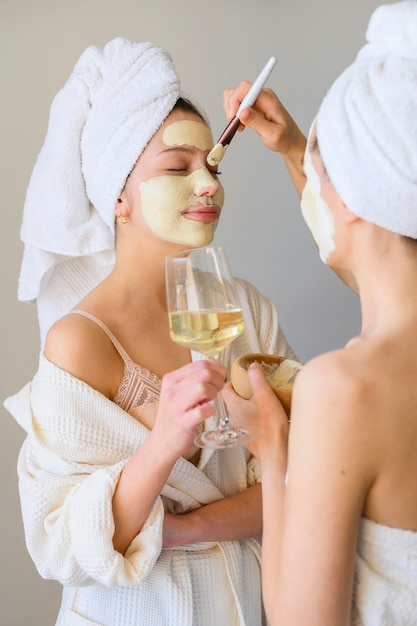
(202, 213)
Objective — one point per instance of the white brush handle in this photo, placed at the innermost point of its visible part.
(257, 86)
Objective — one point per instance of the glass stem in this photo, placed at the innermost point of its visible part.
(224, 423)
(223, 416)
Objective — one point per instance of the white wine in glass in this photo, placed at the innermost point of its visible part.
(205, 316)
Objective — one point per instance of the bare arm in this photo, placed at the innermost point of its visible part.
(184, 402)
(279, 132)
(311, 526)
(232, 519)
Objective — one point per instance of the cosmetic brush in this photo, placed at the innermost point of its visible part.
(217, 152)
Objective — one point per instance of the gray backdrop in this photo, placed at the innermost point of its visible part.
(214, 45)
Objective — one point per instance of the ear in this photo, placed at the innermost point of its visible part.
(121, 208)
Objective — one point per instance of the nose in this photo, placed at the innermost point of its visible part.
(205, 184)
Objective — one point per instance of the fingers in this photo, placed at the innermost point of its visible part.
(198, 372)
(189, 390)
(185, 400)
(233, 97)
(268, 117)
(234, 402)
(267, 103)
(260, 117)
(263, 414)
(257, 378)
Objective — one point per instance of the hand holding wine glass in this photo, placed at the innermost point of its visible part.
(205, 315)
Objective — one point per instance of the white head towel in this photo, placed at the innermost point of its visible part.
(100, 122)
(367, 123)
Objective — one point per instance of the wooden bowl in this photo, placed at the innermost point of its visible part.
(280, 373)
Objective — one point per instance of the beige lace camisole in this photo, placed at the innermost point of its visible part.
(139, 390)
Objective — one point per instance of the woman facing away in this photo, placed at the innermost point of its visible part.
(139, 525)
(340, 534)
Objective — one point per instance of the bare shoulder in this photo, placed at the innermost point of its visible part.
(332, 378)
(80, 347)
(371, 380)
(354, 428)
(334, 404)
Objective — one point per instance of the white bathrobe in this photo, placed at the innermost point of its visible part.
(77, 444)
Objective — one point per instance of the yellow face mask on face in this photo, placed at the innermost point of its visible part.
(316, 212)
(172, 205)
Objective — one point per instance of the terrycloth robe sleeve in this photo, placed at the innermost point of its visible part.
(263, 332)
(77, 445)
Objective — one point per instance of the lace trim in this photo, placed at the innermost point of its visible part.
(139, 386)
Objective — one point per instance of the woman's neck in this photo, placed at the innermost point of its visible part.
(386, 285)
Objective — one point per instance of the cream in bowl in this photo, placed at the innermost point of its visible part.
(280, 373)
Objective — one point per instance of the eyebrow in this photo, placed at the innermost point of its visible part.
(187, 148)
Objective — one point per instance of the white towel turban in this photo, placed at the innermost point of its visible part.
(100, 122)
(367, 123)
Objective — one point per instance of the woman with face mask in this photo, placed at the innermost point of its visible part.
(138, 524)
(339, 483)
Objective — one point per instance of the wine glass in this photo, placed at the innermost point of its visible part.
(205, 315)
